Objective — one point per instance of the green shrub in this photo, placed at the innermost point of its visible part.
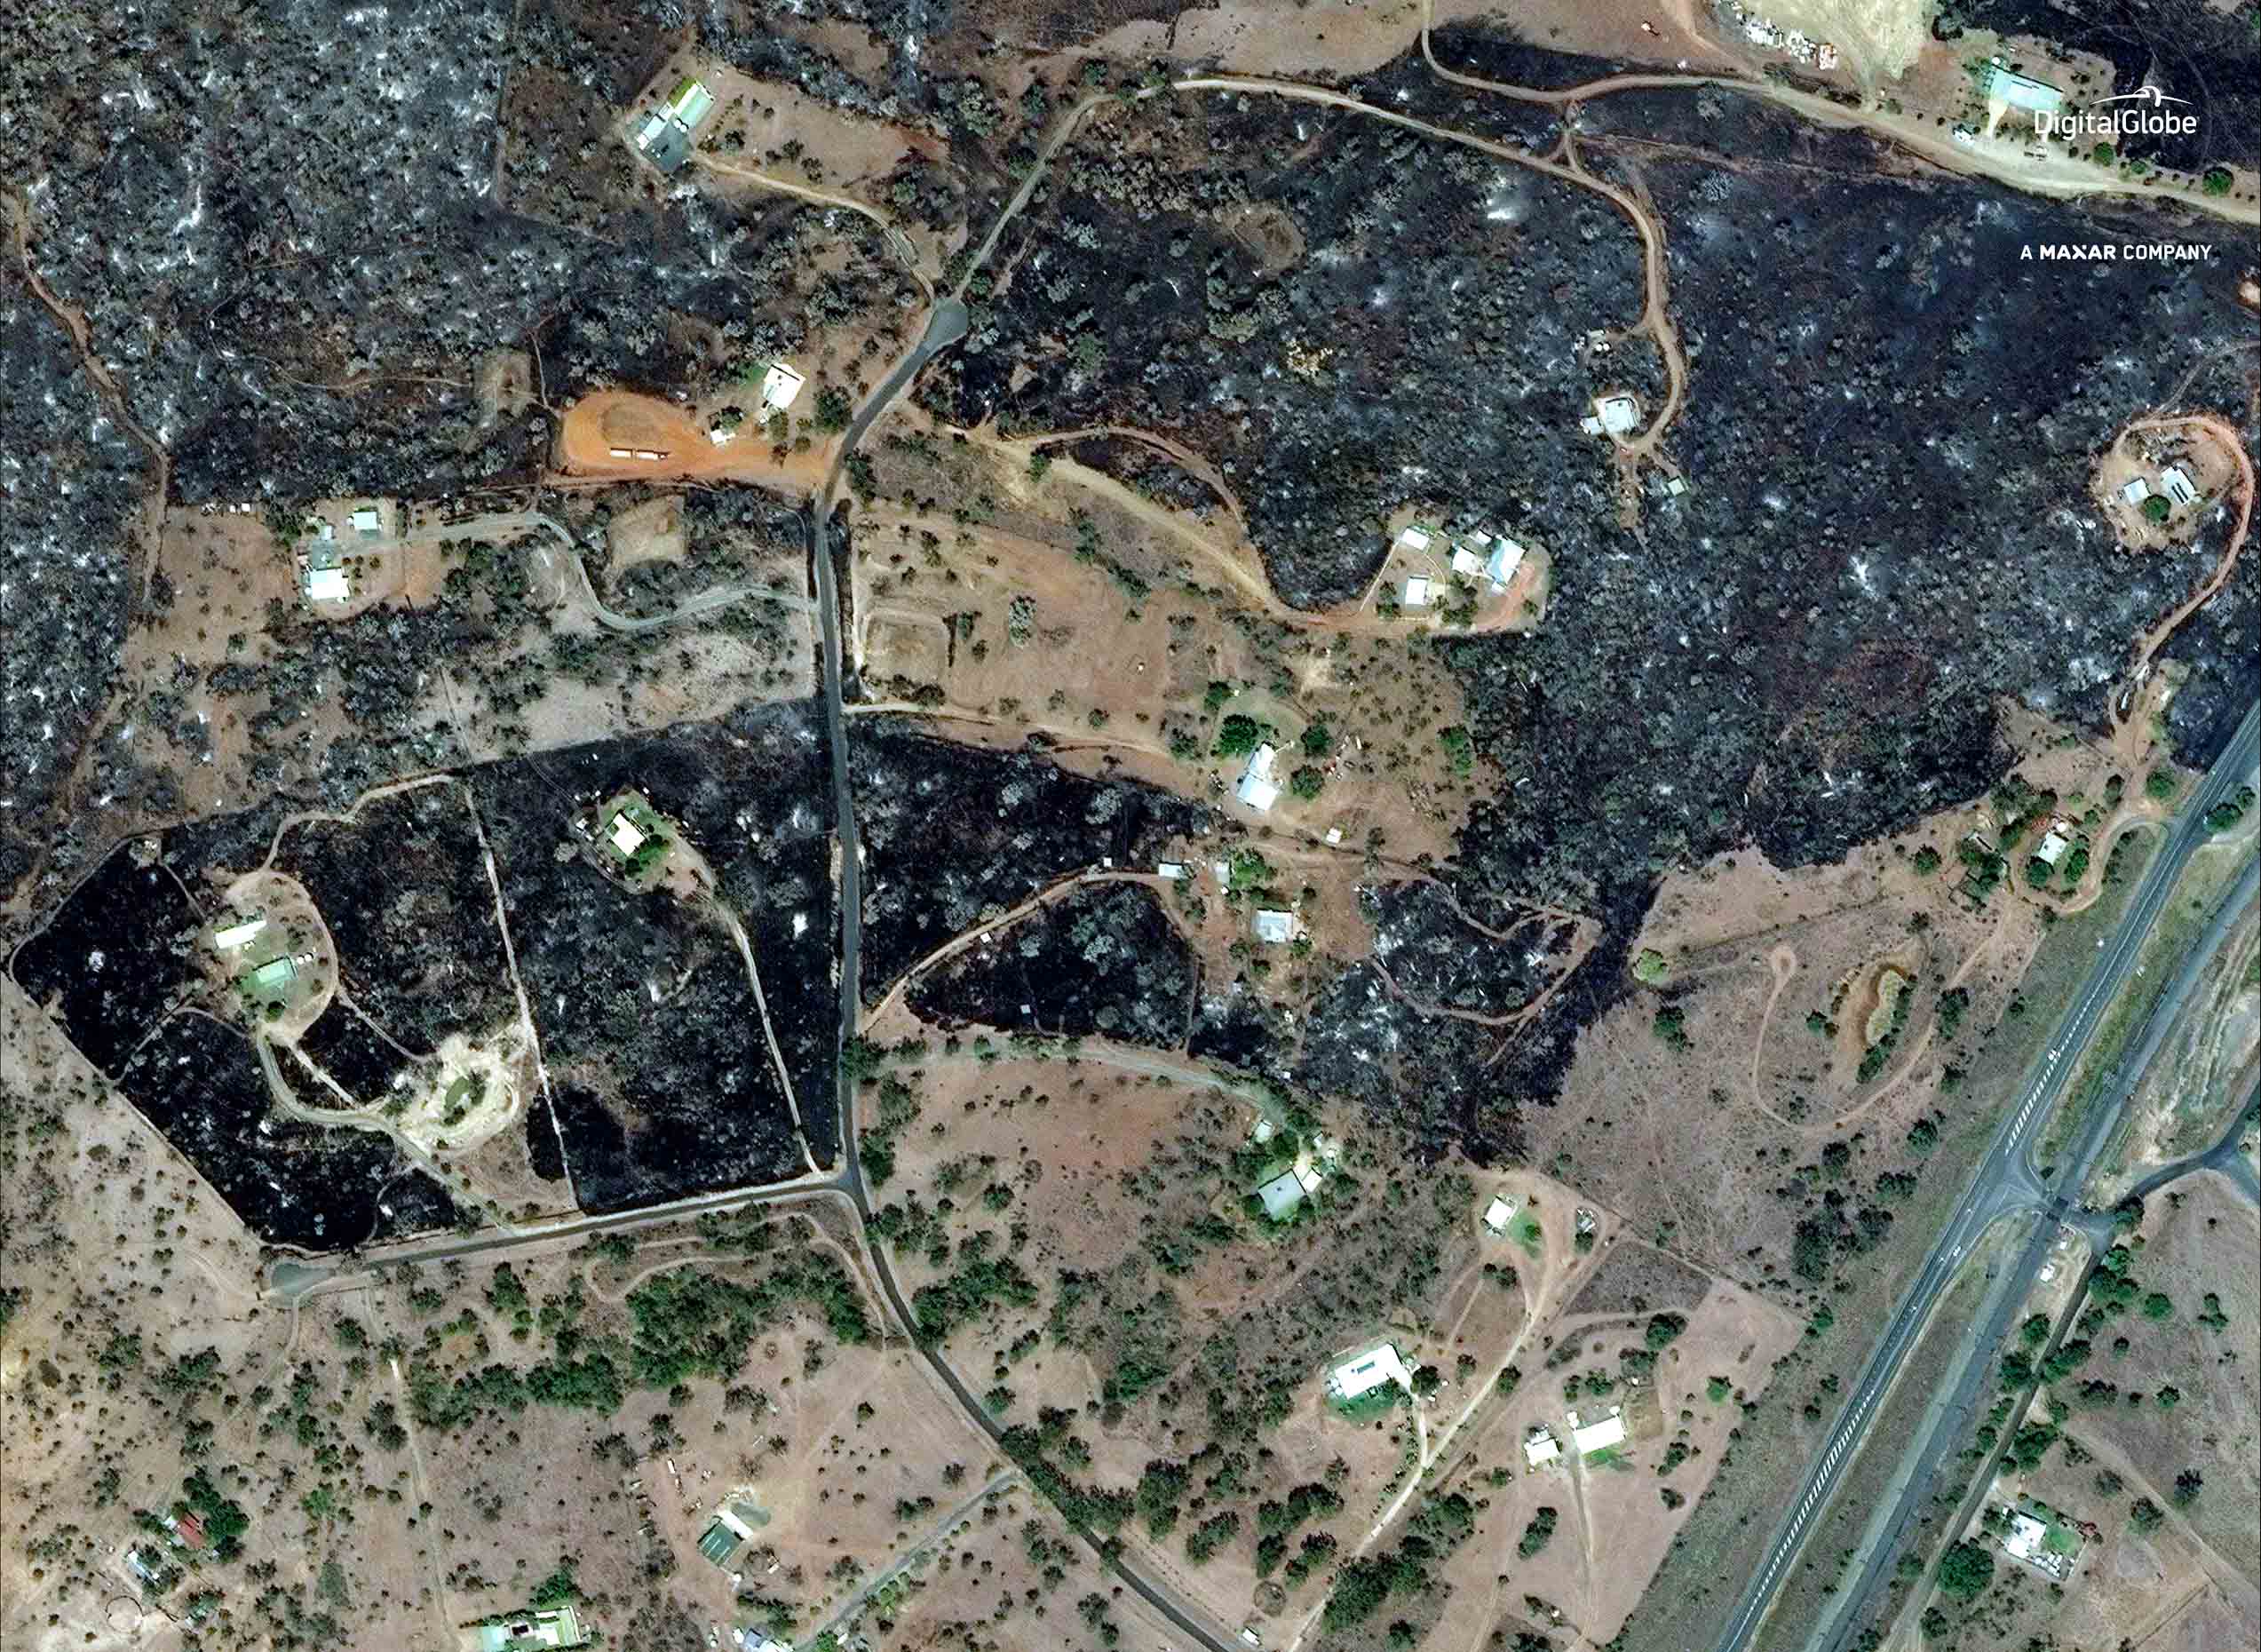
(1238, 736)
(1965, 1571)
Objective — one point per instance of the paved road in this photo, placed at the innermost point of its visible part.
(1948, 1425)
(946, 327)
(2004, 1182)
(291, 1278)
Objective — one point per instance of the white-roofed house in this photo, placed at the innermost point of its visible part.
(1540, 1447)
(779, 385)
(2175, 483)
(1258, 788)
(1599, 1436)
(327, 585)
(1507, 556)
(1618, 414)
(1467, 562)
(1274, 928)
(1365, 1371)
(2135, 492)
(1416, 592)
(367, 522)
(1498, 1214)
(1413, 538)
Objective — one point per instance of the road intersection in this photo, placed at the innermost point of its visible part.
(2006, 1183)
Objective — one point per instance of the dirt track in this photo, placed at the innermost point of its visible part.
(2222, 431)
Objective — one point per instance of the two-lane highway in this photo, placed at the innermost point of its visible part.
(2005, 1181)
(944, 328)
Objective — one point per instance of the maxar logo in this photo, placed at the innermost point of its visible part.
(2144, 113)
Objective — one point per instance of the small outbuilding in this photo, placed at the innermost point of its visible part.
(1599, 1436)
(1617, 414)
(271, 976)
(1506, 556)
(1498, 1214)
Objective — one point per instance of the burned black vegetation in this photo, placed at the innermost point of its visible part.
(1151, 291)
(1440, 957)
(345, 1045)
(664, 1079)
(198, 1081)
(113, 962)
(70, 479)
(1104, 959)
(952, 835)
(1235, 1025)
(1420, 1030)
(665, 1083)
(1806, 649)
(402, 886)
(116, 965)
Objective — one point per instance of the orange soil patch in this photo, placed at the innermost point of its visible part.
(607, 420)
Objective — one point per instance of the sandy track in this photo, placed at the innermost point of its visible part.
(2222, 431)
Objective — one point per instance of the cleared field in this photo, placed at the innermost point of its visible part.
(1078, 1236)
(1619, 1509)
(1124, 628)
(139, 1318)
(1734, 1522)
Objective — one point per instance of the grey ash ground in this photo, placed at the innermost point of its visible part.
(1806, 649)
